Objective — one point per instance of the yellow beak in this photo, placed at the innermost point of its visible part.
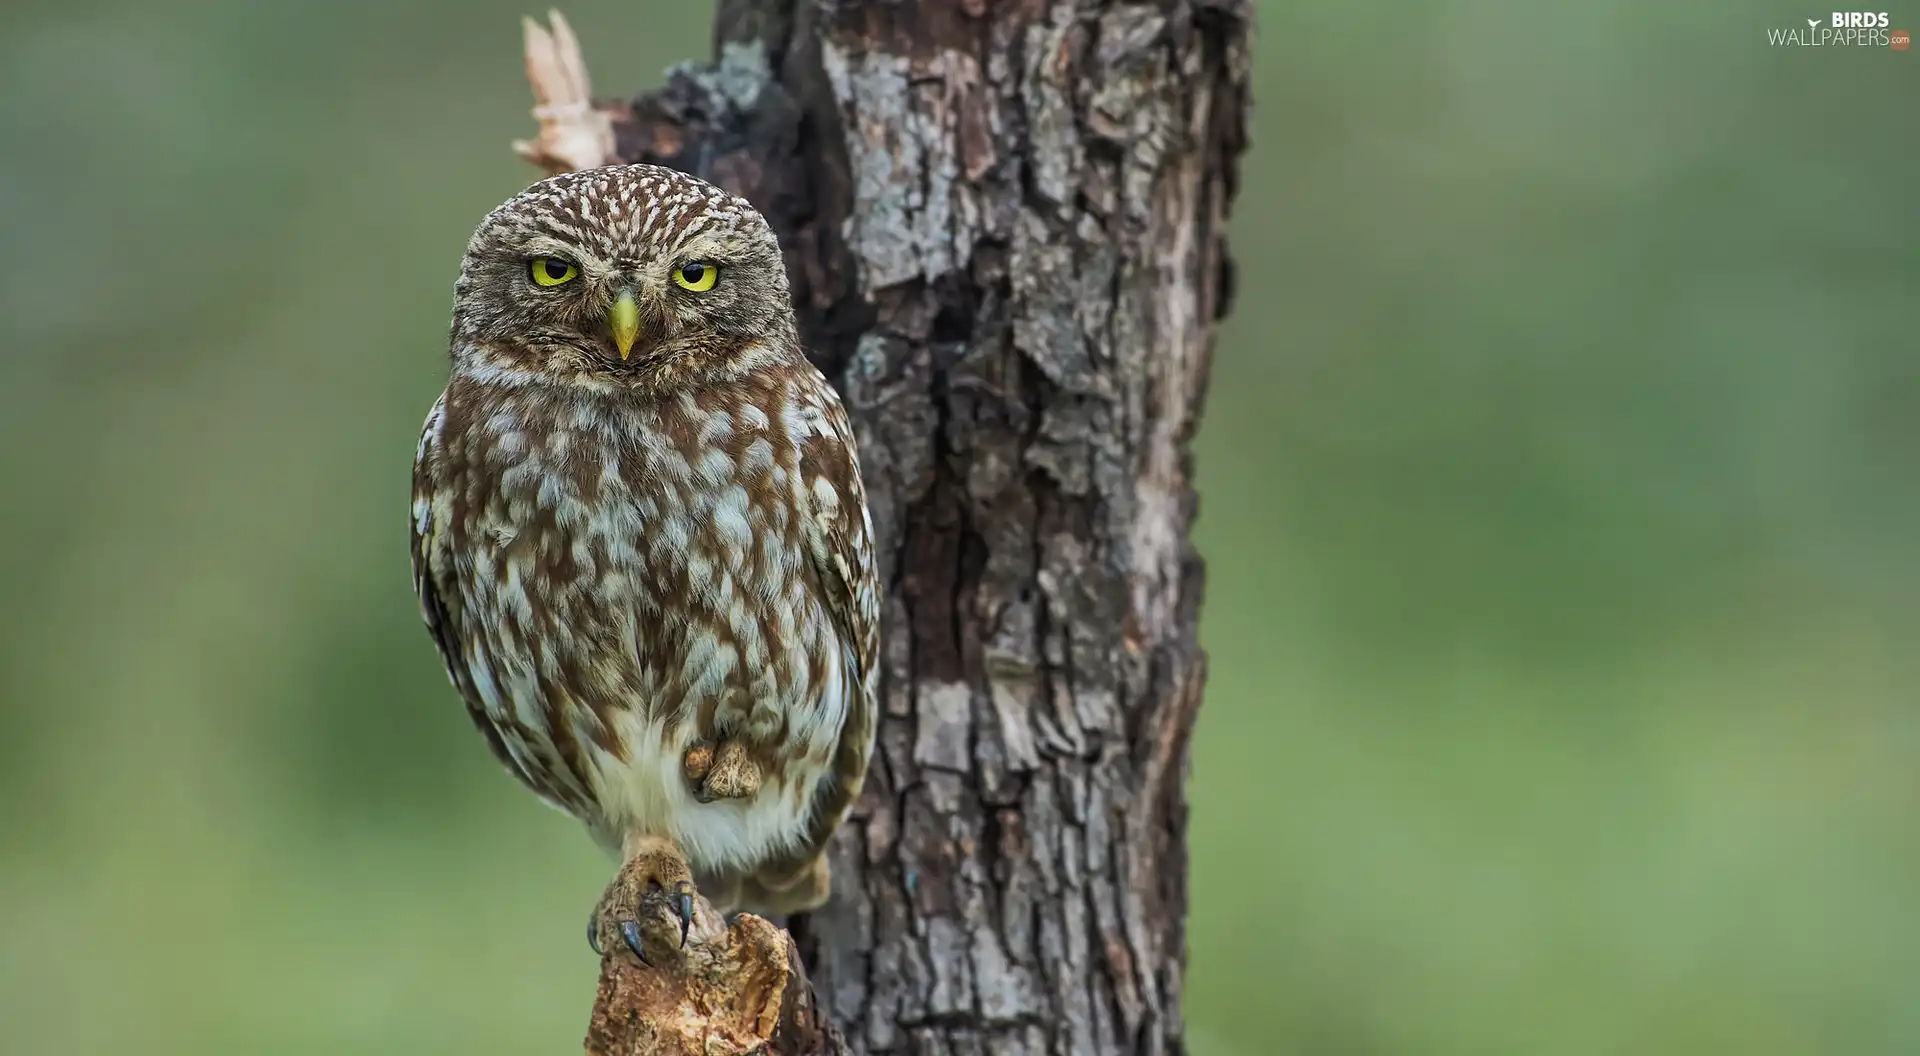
(624, 318)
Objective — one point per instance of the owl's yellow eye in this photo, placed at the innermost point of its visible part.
(550, 271)
(696, 276)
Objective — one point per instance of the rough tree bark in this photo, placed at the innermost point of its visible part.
(1003, 220)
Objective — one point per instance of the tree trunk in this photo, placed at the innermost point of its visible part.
(1003, 220)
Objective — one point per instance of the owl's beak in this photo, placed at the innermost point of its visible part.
(624, 318)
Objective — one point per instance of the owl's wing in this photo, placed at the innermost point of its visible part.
(432, 565)
(838, 535)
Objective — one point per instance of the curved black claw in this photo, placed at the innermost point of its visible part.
(686, 914)
(630, 931)
(593, 936)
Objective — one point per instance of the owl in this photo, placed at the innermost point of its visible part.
(641, 543)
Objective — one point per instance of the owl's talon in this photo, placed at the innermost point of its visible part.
(651, 894)
(593, 937)
(630, 931)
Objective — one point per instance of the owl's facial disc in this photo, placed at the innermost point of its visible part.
(623, 318)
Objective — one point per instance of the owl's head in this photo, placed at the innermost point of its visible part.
(629, 270)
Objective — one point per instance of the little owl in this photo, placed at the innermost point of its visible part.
(641, 543)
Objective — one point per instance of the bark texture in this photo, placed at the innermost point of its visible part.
(1003, 220)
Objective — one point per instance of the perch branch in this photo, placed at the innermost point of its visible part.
(736, 989)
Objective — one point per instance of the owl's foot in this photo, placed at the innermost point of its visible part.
(649, 905)
(726, 772)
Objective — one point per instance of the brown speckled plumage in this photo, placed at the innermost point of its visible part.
(623, 560)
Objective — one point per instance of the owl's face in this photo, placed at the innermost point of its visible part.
(629, 270)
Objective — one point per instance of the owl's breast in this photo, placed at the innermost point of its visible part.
(637, 583)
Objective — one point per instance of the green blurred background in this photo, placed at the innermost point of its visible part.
(1558, 490)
